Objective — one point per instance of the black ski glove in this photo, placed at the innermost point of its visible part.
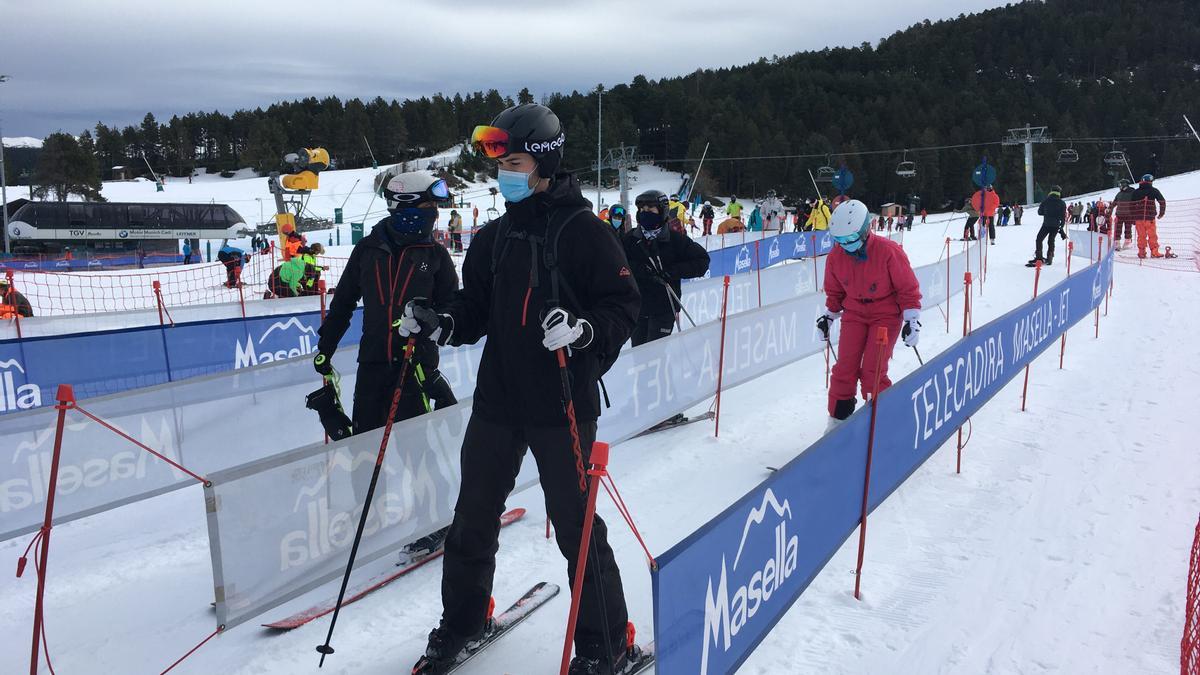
(421, 321)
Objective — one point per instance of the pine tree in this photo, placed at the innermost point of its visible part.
(65, 168)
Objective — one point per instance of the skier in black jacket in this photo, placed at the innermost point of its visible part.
(397, 262)
(659, 258)
(1053, 211)
(509, 295)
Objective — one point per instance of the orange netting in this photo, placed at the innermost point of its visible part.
(1189, 647)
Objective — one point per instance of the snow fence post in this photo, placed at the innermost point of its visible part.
(882, 340)
(321, 291)
(1099, 261)
(1062, 349)
(66, 401)
(948, 281)
(757, 270)
(599, 462)
(721, 357)
(1025, 389)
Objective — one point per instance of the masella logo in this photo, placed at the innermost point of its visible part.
(15, 396)
(282, 340)
(826, 242)
(801, 246)
(742, 261)
(758, 574)
(773, 252)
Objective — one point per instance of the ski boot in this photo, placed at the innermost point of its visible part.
(446, 649)
(1049, 260)
(629, 660)
(423, 547)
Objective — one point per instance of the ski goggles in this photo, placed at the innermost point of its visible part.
(439, 191)
(848, 240)
(491, 142)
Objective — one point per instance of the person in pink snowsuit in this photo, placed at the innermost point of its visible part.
(869, 284)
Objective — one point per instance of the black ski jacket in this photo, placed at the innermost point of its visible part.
(519, 383)
(677, 257)
(707, 212)
(1053, 211)
(386, 273)
(1146, 203)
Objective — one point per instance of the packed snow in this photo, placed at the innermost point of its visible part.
(1061, 547)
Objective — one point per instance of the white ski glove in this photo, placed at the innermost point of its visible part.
(911, 332)
(564, 329)
(825, 322)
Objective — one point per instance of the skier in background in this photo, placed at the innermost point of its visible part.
(659, 259)
(986, 202)
(678, 216)
(1122, 216)
(818, 218)
(233, 259)
(455, 229)
(706, 216)
(12, 302)
(618, 219)
(1018, 211)
(869, 284)
(1145, 203)
(972, 218)
(734, 209)
(1053, 211)
(772, 212)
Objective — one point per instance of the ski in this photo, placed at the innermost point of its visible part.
(644, 662)
(357, 593)
(669, 424)
(498, 626)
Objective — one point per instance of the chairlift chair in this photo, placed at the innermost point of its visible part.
(1115, 157)
(906, 168)
(1068, 155)
(825, 173)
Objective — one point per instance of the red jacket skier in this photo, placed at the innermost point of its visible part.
(869, 284)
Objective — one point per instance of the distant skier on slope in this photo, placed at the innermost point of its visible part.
(706, 216)
(1121, 213)
(1053, 211)
(869, 284)
(772, 213)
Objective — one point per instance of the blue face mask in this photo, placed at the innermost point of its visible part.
(413, 220)
(514, 185)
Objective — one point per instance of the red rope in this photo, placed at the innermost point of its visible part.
(193, 649)
(122, 434)
(624, 511)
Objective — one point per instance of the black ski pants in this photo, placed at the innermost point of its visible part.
(651, 328)
(969, 228)
(373, 396)
(491, 458)
(988, 222)
(1050, 231)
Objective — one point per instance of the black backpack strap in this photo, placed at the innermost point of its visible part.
(558, 222)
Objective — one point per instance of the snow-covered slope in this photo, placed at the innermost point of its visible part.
(21, 142)
(1062, 547)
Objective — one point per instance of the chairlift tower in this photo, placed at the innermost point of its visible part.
(1027, 136)
(621, 159)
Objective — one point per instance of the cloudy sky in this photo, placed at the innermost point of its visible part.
(75, 62)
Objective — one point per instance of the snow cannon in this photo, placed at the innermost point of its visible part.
(306, 163)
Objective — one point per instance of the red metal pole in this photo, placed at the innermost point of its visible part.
(1025, 389)
(66, 400)
(981, 246)
(758, 269)
(321, 290)
(1062, 349)
(882, 341)
(721, 358)
(599, 461)
(966, 301)
(158, 299)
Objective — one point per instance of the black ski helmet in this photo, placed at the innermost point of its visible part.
(534, 129)
(654, 198)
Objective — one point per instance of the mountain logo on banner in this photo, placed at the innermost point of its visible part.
(826, 241)
(1097, 286)
(773, 252)
(770, 562)
(801, 246)
(289, 339)
(742, 262)
(15, 396)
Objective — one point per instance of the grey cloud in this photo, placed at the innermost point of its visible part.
(74, 62)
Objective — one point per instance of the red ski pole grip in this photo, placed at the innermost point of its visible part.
(599, 454)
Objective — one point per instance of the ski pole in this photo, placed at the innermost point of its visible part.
(678, 302)
(919, 359)
(573, 426)
(325, 649)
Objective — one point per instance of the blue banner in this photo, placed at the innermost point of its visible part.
(108, 362)
(720, 591)
(763, 253)
(88, 264)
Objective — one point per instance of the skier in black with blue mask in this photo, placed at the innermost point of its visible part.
(548, 278)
